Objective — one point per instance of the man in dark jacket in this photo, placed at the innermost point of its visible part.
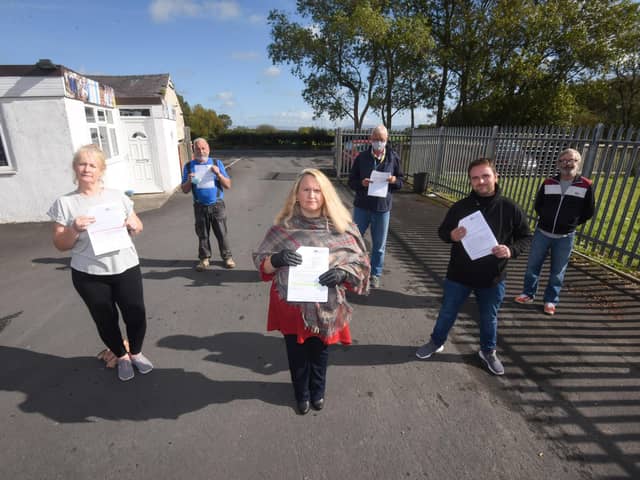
(372, 210)
(563, 202)
(485, 275)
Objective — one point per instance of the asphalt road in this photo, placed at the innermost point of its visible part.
(219, 404)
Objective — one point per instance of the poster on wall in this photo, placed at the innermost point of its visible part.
(89, 91)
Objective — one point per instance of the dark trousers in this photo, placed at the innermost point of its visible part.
(101, 294)
(211, 217)
(308, 367)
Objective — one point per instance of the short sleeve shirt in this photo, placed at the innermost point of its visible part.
(205, 192)
(66, 208)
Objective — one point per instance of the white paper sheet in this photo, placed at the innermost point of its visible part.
(479, 239)
(379, 186)
(206, 177)
(108, 233)
(303, 279)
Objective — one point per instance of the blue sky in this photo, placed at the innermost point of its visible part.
(215, 51)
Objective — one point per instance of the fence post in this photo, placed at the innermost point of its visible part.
(590, 160)
(491, 144)
(439, 154)
(337, 159)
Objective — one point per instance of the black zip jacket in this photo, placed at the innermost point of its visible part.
(362, 167)
(510, 227)
(561, 214)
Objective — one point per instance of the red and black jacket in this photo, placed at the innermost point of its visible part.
(561, 214)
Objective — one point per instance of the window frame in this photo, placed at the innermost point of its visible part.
(102, 131)
(10, 167)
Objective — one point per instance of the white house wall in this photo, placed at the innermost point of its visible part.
(163, 144)
(43, 128)
(167, 140)
(117, 174)
(22, 87)
(41, 135)
(39, 142)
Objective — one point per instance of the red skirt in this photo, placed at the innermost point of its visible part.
(288, 319)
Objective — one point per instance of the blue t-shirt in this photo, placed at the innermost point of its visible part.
(208, 190)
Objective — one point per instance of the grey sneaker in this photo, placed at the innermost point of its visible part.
(374, 281)
(493, 362)
(428, 349)
(125, 369)
(142, 363)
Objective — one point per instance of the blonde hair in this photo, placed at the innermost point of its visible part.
(332, 208)
(94, 152)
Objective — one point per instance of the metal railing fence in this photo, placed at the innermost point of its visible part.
(524, 156)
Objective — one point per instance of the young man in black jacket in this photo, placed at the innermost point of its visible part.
(563, 202)
(485, 275)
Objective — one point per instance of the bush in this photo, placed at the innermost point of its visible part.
(312, 139)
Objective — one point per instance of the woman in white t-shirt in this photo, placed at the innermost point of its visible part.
(112, 278)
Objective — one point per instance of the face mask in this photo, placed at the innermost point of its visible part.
(378, 145)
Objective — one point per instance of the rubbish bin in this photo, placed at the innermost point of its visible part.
(419, 182)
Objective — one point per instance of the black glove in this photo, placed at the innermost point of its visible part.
(285, 258)
(332, 277)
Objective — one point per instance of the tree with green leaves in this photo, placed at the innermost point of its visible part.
(226, 120)
(186, 109)
(205, 123)
(399, 49)
(327, 54)
(529, 55)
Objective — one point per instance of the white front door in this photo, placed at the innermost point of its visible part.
(142, 169)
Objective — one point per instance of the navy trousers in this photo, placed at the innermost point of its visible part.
(308, 366)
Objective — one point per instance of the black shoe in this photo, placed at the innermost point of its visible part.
(304, 407)
(318, 404)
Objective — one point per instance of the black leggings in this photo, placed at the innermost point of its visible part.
(101, 294)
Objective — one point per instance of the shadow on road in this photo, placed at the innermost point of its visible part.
(265, 354)
(77, 389)
(575, 376)
(174, 269)
(390, 299)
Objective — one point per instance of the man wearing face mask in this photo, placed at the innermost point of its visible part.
(562, 203)
(373, 211)
(206, 179)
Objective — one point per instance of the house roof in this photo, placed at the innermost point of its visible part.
(129, 89)
(136, 89)
(37, 70)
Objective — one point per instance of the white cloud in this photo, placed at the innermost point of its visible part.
(226, 99)
(244, 55)
(272, 71)
(255, 18)
(222, 10)
(165, 10)
(314, 29)
(291, 119)
(301, 115)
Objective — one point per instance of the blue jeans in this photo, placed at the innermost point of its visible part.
(560, 249)
(379, 222)
(489, 301)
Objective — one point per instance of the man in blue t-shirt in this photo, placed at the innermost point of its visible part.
(206, 179)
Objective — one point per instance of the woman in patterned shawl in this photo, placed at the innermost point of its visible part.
(313, 216)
